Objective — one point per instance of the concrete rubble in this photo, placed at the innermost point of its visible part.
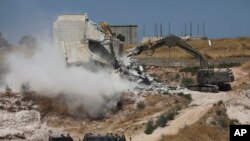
(97, 45)
(16, 103)
(130, 69)
(20, 119)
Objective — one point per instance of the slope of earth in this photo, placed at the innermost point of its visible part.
(201, 103)
(224, 47)
(237, 105)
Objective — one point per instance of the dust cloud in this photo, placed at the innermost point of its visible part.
(47, 74)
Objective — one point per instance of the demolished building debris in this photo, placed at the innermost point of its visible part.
(24, 119)
(102, 48)
(130, 69)
(20, 119)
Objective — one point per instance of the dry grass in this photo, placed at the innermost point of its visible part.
(54, 123)
(225, 47)
(198, 132)
(50, 105)
(157, 103)
(217, 117)
(246, 65)
(153, 105)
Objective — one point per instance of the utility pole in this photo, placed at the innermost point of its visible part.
(160, 29)
(185, 29)
(190, 28)
(169, 31)
(144, 31)
(154, 29)
(198, 29)
(157, 30)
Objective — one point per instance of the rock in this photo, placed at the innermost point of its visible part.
(141, 68)
(248, 93)
(209, 121)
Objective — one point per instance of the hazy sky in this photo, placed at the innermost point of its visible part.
(223, 18)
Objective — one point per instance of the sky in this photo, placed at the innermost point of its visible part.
(222, 18)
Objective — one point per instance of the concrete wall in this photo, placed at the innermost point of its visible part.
(71, 34)
(128, 31)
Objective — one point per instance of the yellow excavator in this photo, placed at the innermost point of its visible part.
(208, 80)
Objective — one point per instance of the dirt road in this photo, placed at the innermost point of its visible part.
(201, 103)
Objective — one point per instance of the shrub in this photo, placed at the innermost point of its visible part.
(140, 105)
(187, 82)
(223, 122)
(234, 122)
(229, 65)
(177, 76)
(149, 127)
(219, 116)
(171, 115)
(162, 120)
(186, 96)
(8, 90)
(25, 88)
(220, 103)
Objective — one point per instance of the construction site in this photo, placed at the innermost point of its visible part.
(100, 82)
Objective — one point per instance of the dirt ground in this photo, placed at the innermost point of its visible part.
(237, 104)
(221, 48)
(201, 103)
(131, 120)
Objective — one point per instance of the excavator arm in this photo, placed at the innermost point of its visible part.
(208, 80)
(171, 41)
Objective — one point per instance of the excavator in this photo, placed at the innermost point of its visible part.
(208, 79)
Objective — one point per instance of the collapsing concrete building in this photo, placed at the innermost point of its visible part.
(82, 40)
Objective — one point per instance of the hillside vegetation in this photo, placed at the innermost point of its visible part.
(223, 47)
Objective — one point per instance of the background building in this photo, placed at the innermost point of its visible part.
(129, 32)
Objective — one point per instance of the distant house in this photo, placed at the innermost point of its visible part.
(128, 33)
